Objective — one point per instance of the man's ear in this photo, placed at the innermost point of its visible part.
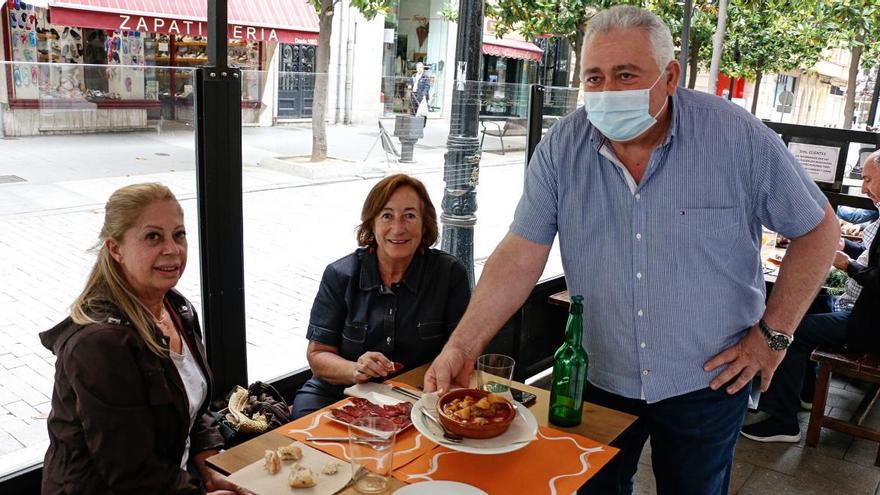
(113, 248)
(674, 75)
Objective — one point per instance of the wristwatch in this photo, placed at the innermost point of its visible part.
(777, 341)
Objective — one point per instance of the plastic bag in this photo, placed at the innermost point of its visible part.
(422, 111)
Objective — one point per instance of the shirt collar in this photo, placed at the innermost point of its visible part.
(371, 280)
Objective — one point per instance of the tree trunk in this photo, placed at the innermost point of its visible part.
(322, 69)
(717, 46)
(758, 74)
(850, 105)
(693, 62)
(578, 45)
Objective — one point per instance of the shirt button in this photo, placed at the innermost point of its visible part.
(639, 275)
(645, 372)
(388, 340)
(638, 197)
(643, 345)
(639, 236)
(640, 313)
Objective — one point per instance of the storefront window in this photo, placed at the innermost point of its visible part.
(414, 34)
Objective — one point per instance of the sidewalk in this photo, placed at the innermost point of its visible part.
(293, 227)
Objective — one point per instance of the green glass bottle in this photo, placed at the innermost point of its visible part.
(569, 370)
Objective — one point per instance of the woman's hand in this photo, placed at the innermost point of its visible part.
(372, 365)
(215, 483)
(841, 260)
(850, 229)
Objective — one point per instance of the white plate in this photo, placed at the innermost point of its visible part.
(523, 427)
(440, 488)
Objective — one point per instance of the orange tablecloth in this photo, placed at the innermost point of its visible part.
(409, 444)
(556, 463)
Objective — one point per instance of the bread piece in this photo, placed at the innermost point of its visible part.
(271, 462)
(301, 477)
(331, 468)
(290, 452)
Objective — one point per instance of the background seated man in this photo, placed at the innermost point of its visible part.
(853, 325)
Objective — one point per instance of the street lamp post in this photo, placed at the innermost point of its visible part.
(462, 159)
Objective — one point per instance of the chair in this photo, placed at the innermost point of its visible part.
(860, 366)
(387, 145)
(511, 127)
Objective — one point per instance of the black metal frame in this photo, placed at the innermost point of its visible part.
(839, 138)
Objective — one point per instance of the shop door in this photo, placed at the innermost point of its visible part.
(296, 81)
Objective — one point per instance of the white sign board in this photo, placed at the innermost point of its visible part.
(820, 162)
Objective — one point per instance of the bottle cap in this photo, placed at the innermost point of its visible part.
(577, 305)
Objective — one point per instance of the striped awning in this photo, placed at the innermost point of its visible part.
(288, 21)
(511, 48)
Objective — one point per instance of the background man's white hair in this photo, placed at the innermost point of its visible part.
(873, 158)
(628, 16)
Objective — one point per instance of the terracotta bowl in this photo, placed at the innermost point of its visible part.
(469, 429)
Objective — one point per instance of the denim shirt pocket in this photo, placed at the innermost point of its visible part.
(430, 331)
(354, 334)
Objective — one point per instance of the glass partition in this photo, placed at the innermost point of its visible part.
(300, 215)
(71, 135)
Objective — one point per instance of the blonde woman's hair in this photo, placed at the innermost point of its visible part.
(106, 285)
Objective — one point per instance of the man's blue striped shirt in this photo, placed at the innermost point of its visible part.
(669, 268)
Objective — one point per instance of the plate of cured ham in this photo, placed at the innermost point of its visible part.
(361, 408)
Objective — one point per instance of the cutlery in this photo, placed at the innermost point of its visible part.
(340, 439)
(448, 435)
(408, 393)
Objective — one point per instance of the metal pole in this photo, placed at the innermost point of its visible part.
(872, 110)
(218, 156)
(685, 40)
(462, 160)
(536, 121)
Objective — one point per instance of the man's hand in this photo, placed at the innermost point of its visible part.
(744, 360)
(841, 260)
(451, 367)
(850, 229)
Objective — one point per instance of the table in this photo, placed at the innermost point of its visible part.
(599, 423)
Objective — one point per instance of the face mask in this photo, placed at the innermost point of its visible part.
(621, 115)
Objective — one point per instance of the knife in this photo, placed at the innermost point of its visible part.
(340, 439)
(406, 392)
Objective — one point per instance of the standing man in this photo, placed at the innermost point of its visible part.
(421, 86)
(658, 195)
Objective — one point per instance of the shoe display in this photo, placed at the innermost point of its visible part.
(772, 430)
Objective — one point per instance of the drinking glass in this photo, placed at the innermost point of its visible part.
(371, 447)
(500, 367)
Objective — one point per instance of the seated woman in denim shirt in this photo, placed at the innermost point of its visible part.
(393, 300)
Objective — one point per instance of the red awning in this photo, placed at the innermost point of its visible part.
(288, 21)
(511, 48)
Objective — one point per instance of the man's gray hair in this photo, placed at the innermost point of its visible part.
(628, 16)
(874, 158)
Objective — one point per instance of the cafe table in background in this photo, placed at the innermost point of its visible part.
(566, 456)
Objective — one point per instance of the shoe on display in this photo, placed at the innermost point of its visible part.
(16, 75)
(75, 34)
(35, 76)
(772, 430)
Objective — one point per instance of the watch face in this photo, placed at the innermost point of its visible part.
(778, 342)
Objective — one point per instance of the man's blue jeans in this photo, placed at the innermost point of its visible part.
(693, 437)
(782, 399)
(858, 216)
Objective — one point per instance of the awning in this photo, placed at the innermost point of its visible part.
(288, 21)
(501, 47)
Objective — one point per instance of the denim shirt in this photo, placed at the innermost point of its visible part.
(408, 322)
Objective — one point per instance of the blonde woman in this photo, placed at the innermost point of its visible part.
(130, 404)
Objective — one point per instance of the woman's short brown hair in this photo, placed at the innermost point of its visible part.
(378, 198)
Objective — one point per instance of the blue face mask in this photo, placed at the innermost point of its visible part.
(621, 115)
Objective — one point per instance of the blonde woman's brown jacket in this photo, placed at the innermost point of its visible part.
(120, 414)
